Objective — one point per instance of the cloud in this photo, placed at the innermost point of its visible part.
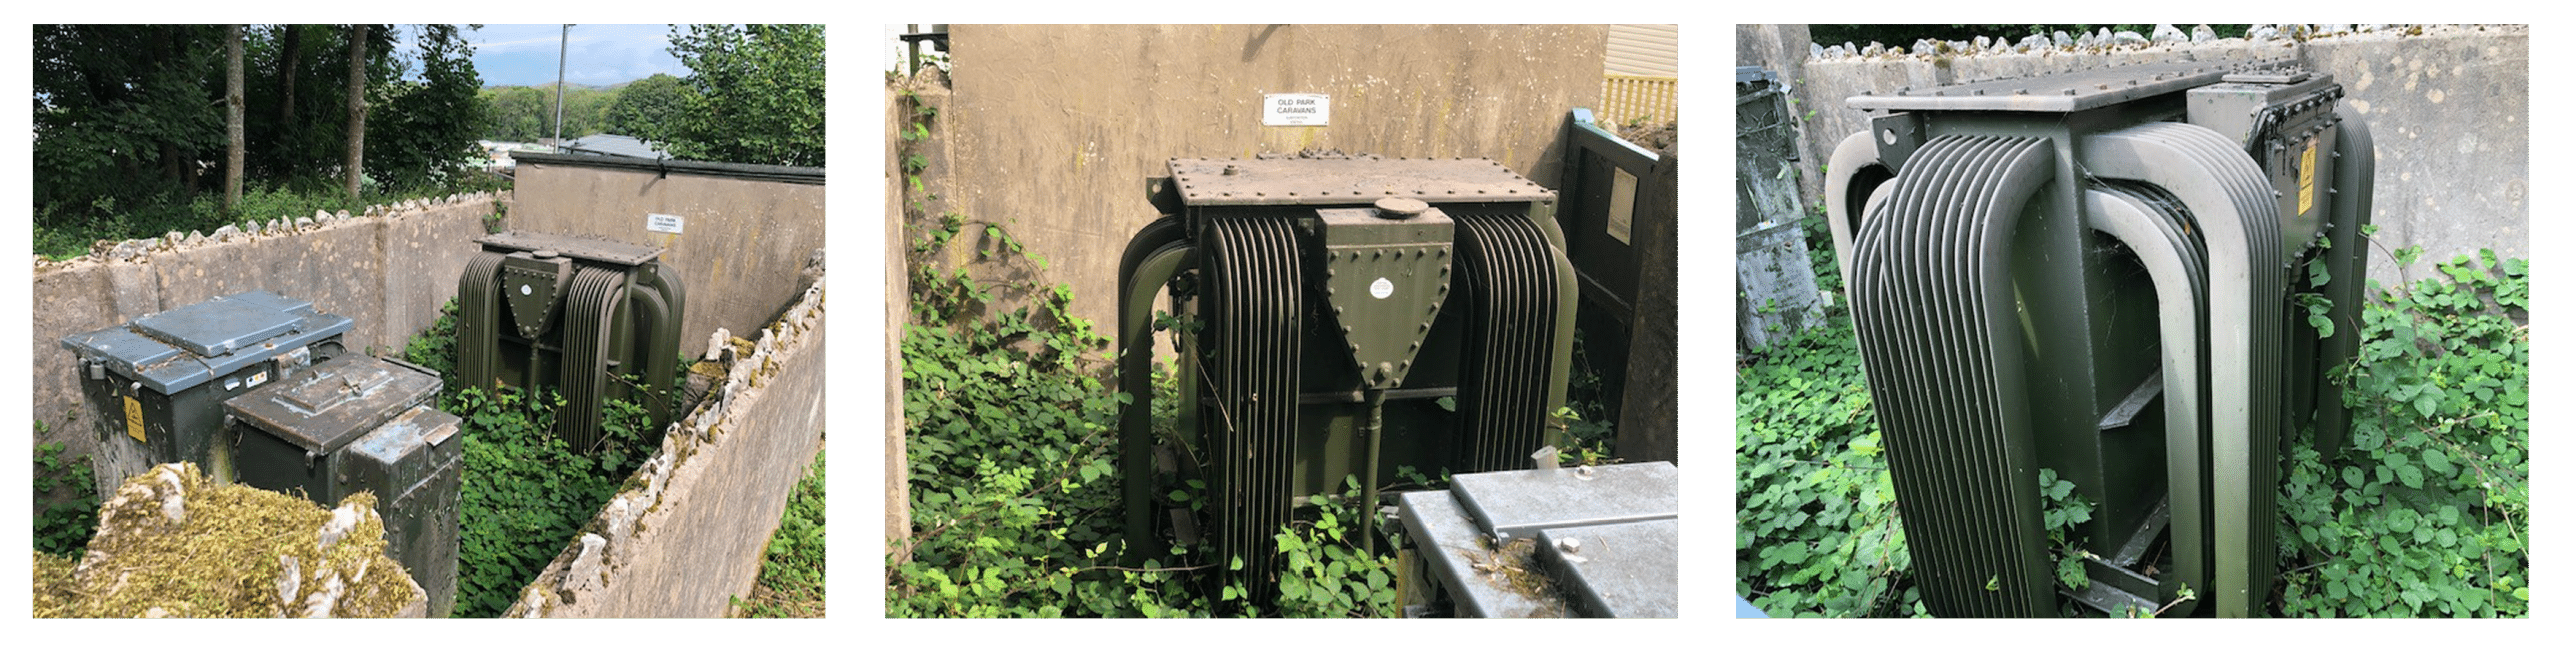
(597, 54)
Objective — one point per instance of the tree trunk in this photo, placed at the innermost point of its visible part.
(287, 130)
(355, 110)
(233, 104)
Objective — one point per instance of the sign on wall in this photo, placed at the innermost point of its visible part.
(666, 223)
(1296, 109)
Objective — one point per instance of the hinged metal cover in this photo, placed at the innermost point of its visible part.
(1352, 180)
(173, 350)
(336, 401)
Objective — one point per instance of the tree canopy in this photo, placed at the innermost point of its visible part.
(130, 119)
(759, 94)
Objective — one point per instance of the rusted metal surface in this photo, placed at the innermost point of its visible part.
(1347, 180)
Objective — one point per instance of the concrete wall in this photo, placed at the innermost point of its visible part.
(2447, 107)
(745, 244)
(896, 523)
(390, 270)
(1051, 129)
(690, 530)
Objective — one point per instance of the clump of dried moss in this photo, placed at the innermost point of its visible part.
(171, 543)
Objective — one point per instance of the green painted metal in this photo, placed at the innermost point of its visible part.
(1450, 284)
(2126, 323)
(362, 424)
(593, 319)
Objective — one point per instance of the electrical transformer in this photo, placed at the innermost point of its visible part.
(158, 382)
(363, 424)
(1341, 315)
(2114, 274)
(594, 319)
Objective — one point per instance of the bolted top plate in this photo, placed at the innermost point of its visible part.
(329, 405)
(1354, 180)
(583, 248)
(2057, 93)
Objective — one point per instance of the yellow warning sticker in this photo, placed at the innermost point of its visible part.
(133, 419)
(2310, 155)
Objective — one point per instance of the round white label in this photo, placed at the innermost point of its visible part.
(526, 290)
(1381, 288)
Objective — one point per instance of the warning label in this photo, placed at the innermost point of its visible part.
(133, 419)
(2310, 155)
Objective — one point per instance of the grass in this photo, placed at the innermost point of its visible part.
(793, 582)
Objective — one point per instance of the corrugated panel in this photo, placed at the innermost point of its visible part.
(1646, 50)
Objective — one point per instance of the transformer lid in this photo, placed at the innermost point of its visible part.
(1348, 180)
(332, 404)
(2057, 93)
(224, 324)
(582, 248)
(177, 349)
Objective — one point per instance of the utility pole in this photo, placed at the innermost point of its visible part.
(560, 86)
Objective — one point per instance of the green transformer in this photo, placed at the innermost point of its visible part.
(594, 319)
(1353, 313)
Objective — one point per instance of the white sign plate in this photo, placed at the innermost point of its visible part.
(1296, 109)
(666, 223)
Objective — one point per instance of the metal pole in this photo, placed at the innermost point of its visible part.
(560, 87)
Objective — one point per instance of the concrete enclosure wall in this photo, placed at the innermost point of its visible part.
(689, 530)
(2447, 107)
(390, 270)
(746, 246)
(1051, 130)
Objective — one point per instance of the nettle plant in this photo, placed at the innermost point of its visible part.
(1816, 528)
(2422, 512)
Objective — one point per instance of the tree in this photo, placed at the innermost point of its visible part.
(427, 128)
(234, 96)
(122, 112)
(355, 110)
(760, 94)
(649, 109)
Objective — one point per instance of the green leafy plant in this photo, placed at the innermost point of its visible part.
(2064, 511)
(2422, 512)
(524, 492)
(66, 493)
(1816, 528)
(1326, 573)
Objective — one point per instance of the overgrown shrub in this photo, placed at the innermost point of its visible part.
(2423, 511)
(67, 500)
(524, 492)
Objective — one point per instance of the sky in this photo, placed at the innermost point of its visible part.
(524, 55)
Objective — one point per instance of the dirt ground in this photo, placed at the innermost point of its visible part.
(1661, 138)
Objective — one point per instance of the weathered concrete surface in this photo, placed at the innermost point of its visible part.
(744, 244)
(2447, 108)
(389, 270)
(691, 530)
(1777, 47)
(897, 524)
(1053, 128)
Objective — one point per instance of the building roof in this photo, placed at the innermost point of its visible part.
(1643, 50)
(613, 145)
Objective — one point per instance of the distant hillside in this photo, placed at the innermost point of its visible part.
(573, 86)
